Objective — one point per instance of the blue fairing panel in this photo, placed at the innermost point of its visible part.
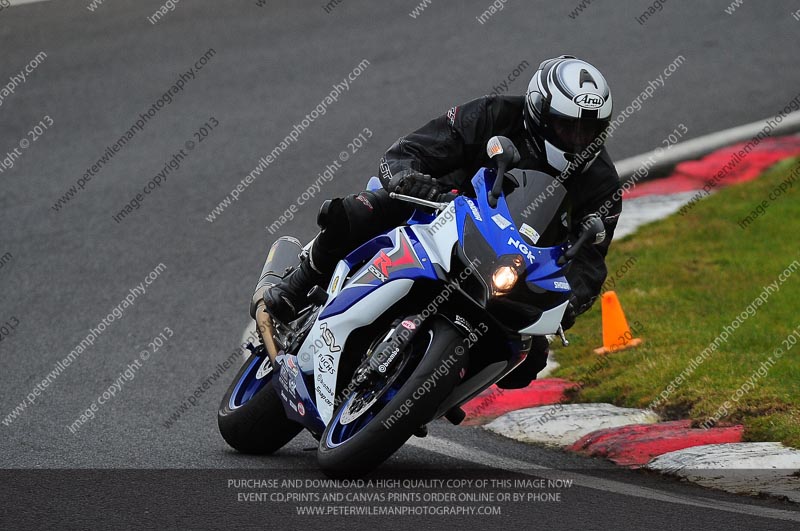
(296, 398)
(395, 255)
(557, 283)
(497, 227)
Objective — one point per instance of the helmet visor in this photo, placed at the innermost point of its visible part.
(574, 135)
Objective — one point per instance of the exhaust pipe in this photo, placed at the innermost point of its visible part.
(283, 255)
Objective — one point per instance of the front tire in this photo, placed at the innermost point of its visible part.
(341, 454)
(251, 417)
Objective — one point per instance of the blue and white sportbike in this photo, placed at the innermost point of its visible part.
(413, 324)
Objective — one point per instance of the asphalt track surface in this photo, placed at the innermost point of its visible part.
(272, 65)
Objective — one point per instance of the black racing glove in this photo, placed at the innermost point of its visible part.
(587, 221)
(417, 185)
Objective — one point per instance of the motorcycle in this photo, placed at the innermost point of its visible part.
(413, 324)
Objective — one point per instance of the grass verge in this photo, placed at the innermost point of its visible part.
(683, 280)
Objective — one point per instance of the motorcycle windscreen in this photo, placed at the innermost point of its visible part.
(540, 208)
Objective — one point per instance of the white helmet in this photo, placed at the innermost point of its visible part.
(567, 106)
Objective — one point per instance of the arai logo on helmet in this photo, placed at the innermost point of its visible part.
(587, 100)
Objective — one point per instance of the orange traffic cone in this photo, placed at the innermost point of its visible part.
(616, 333)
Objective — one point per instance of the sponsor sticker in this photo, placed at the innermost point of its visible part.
(322, 383)
(330, 340)
(475, 211)
(500, 221)
(377, 273)
(409, 324)
(524, 249)
(385, 365)
(326, 363)
(530, 232)
(301, 409)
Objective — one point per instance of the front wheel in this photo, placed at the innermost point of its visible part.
(251, 417)
(378, 417)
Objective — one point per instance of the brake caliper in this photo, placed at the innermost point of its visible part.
(387, 352)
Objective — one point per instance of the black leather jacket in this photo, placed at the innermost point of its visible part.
(452, 148)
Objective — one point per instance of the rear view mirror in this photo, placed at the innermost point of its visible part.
(503, 151)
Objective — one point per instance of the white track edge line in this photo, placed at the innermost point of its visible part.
(480, 457)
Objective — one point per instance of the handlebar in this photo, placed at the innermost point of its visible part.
(423, 202)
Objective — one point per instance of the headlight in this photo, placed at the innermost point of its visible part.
(498, 283)
(504, 278)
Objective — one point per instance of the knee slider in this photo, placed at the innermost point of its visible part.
(323, 216)
(332, 217)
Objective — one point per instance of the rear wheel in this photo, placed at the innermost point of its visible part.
(379, 416)
(251, 417)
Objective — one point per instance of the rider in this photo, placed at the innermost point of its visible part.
(556, 126)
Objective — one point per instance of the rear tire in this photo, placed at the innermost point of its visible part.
(375, 443)
(260, 425)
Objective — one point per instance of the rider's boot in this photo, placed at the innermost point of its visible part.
(285, 299)
(523, 375)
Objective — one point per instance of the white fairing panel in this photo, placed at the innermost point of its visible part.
(326, 340)
(439, 236)
(548, 323)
